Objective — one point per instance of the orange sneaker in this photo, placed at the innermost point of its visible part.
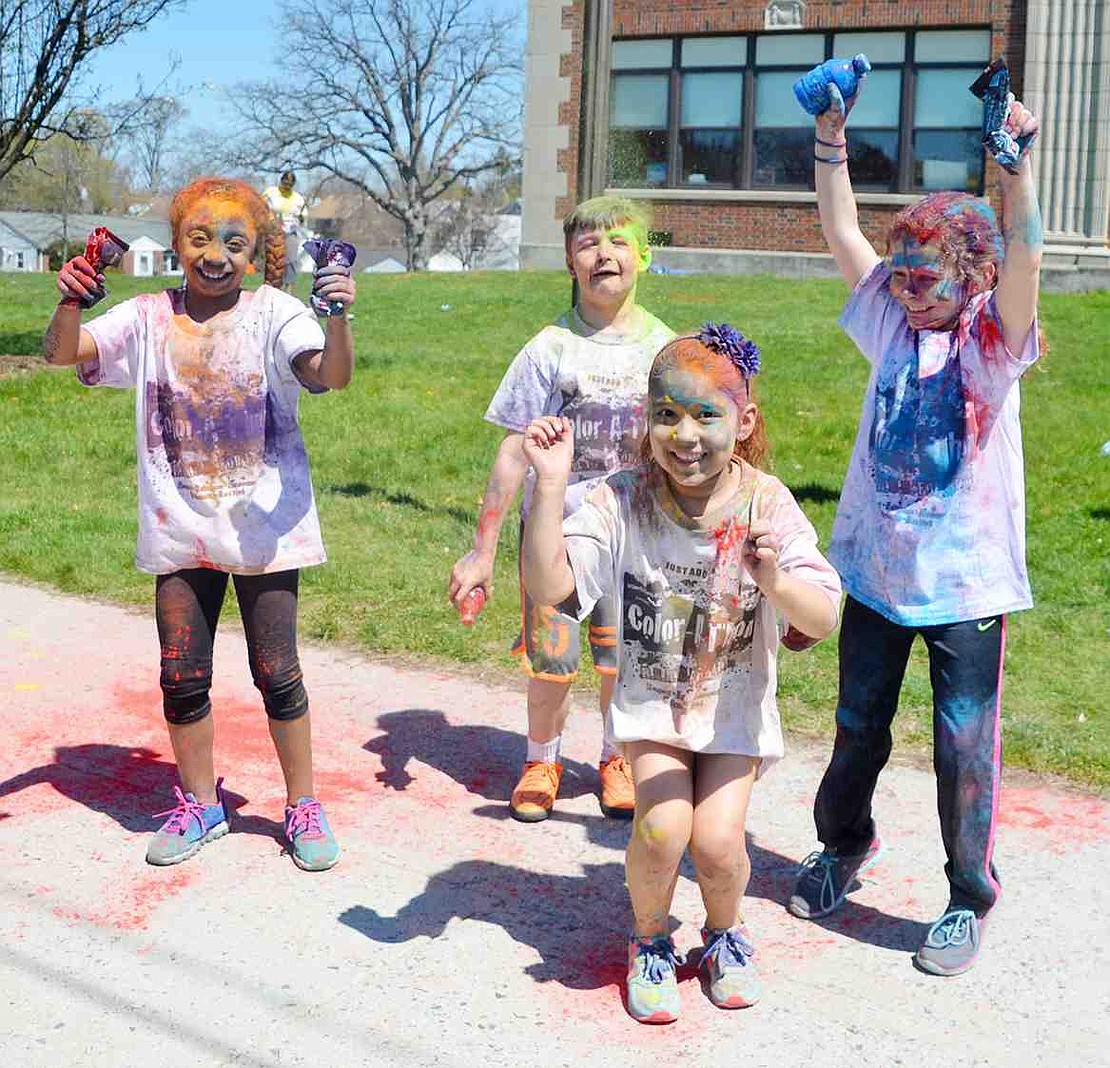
(535, 794)
(618, 792)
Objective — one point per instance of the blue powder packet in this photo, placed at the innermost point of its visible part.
(812, 89)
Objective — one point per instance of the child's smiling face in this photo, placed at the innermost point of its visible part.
(692, 427)
(216, 242)
(605, 263)
(925, 285)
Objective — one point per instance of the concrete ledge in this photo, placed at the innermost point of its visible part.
(1080, 273)
(691, 193)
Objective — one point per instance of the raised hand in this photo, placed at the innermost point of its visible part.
(334, 286)
(761, 552)
(549, 447)
(79, 284)
(1022, 125)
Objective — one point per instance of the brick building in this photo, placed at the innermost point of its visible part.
(686, 105)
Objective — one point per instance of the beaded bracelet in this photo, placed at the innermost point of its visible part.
(830, 144)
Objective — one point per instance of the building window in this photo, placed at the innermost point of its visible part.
(20, 261)
(720, 110)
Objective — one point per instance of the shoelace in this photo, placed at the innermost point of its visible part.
(305, 819)
(818, 866)
(952, 929)
(731, 948)
(658, 959)
(181, 814)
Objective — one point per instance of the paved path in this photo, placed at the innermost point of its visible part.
(450, 935)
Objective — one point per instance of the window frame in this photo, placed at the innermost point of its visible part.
(744, 167)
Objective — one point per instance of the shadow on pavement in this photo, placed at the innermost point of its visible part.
(485, 760)
(126, 783)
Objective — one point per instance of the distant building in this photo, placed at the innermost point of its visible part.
(27, 236)
(686, 105)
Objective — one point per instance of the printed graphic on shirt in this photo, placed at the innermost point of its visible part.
(918, 435)
(678, 646)
(608, 422)
(209, 415)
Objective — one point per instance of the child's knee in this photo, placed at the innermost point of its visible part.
(185, 691)
(283, 691)
(663, 831)
(715, 853)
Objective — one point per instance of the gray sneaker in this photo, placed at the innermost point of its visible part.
(825, 878)
(952, 944)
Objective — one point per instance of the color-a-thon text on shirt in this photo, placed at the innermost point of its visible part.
(222, 469)
(697, 640)
(931, 523)
(596, 378)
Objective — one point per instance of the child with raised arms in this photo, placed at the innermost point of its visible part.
(223, 478)
(929, 536)
(591, 366)
(702, 552)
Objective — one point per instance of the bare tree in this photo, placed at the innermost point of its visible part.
(149, 139)
(44, 45)
(401, 98)
(466, 224)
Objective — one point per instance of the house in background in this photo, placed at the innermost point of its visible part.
(18, 252)
(30, 235)
(688, 108)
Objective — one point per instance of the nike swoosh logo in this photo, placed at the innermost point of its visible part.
(987, 625)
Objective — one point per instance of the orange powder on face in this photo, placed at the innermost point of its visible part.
(223, 199)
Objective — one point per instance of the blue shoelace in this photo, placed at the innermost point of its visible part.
(658, 959)
(952, 929)
(730, 947)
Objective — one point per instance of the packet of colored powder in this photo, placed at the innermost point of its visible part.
(328, 252)
(102, 249)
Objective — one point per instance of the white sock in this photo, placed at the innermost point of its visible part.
(609, 749)
(548, 752)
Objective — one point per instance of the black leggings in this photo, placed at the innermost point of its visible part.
(187, 608)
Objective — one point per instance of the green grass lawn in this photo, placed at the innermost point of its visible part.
(400, 460)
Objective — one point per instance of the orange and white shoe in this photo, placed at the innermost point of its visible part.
(535, 794)
(618, 792)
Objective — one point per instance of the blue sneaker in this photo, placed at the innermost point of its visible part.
(730, 967)
(825, 878)
(652, 980)
(190, 825)
(952, 944)
(311, 843)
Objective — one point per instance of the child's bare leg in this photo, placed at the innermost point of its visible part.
(548, 706)
(605, 696)
(722, 790)
(664, 815)
(192, 750)
(293, 742)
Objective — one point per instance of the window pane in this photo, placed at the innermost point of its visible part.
(711, 99)
(948, 159)
(715, 52)
(953, 46)
(943, 99)
(775, 103)
(637, 158)
(878, 47)
(880, 103)
(784, 157)
(776, 49)
(639, 100)
(873, 158)
(631, 54)
(709, 156)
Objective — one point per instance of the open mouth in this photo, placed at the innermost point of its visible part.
(605, 273)
(213, 276)
(686, 459)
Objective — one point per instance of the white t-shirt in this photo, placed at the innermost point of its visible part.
(931, 523)
(697, 641)
(222, 469)
(596, 378)
(290, 208)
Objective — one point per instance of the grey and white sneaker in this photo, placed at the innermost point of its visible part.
(952, 944)
(824, 879)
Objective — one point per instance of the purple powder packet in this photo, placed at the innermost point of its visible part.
(329, 252)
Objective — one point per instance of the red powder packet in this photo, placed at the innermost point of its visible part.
(102, 249)
(472, 604)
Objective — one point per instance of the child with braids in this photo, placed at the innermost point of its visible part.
(224, 486)
(702, 552)
(929, 535)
